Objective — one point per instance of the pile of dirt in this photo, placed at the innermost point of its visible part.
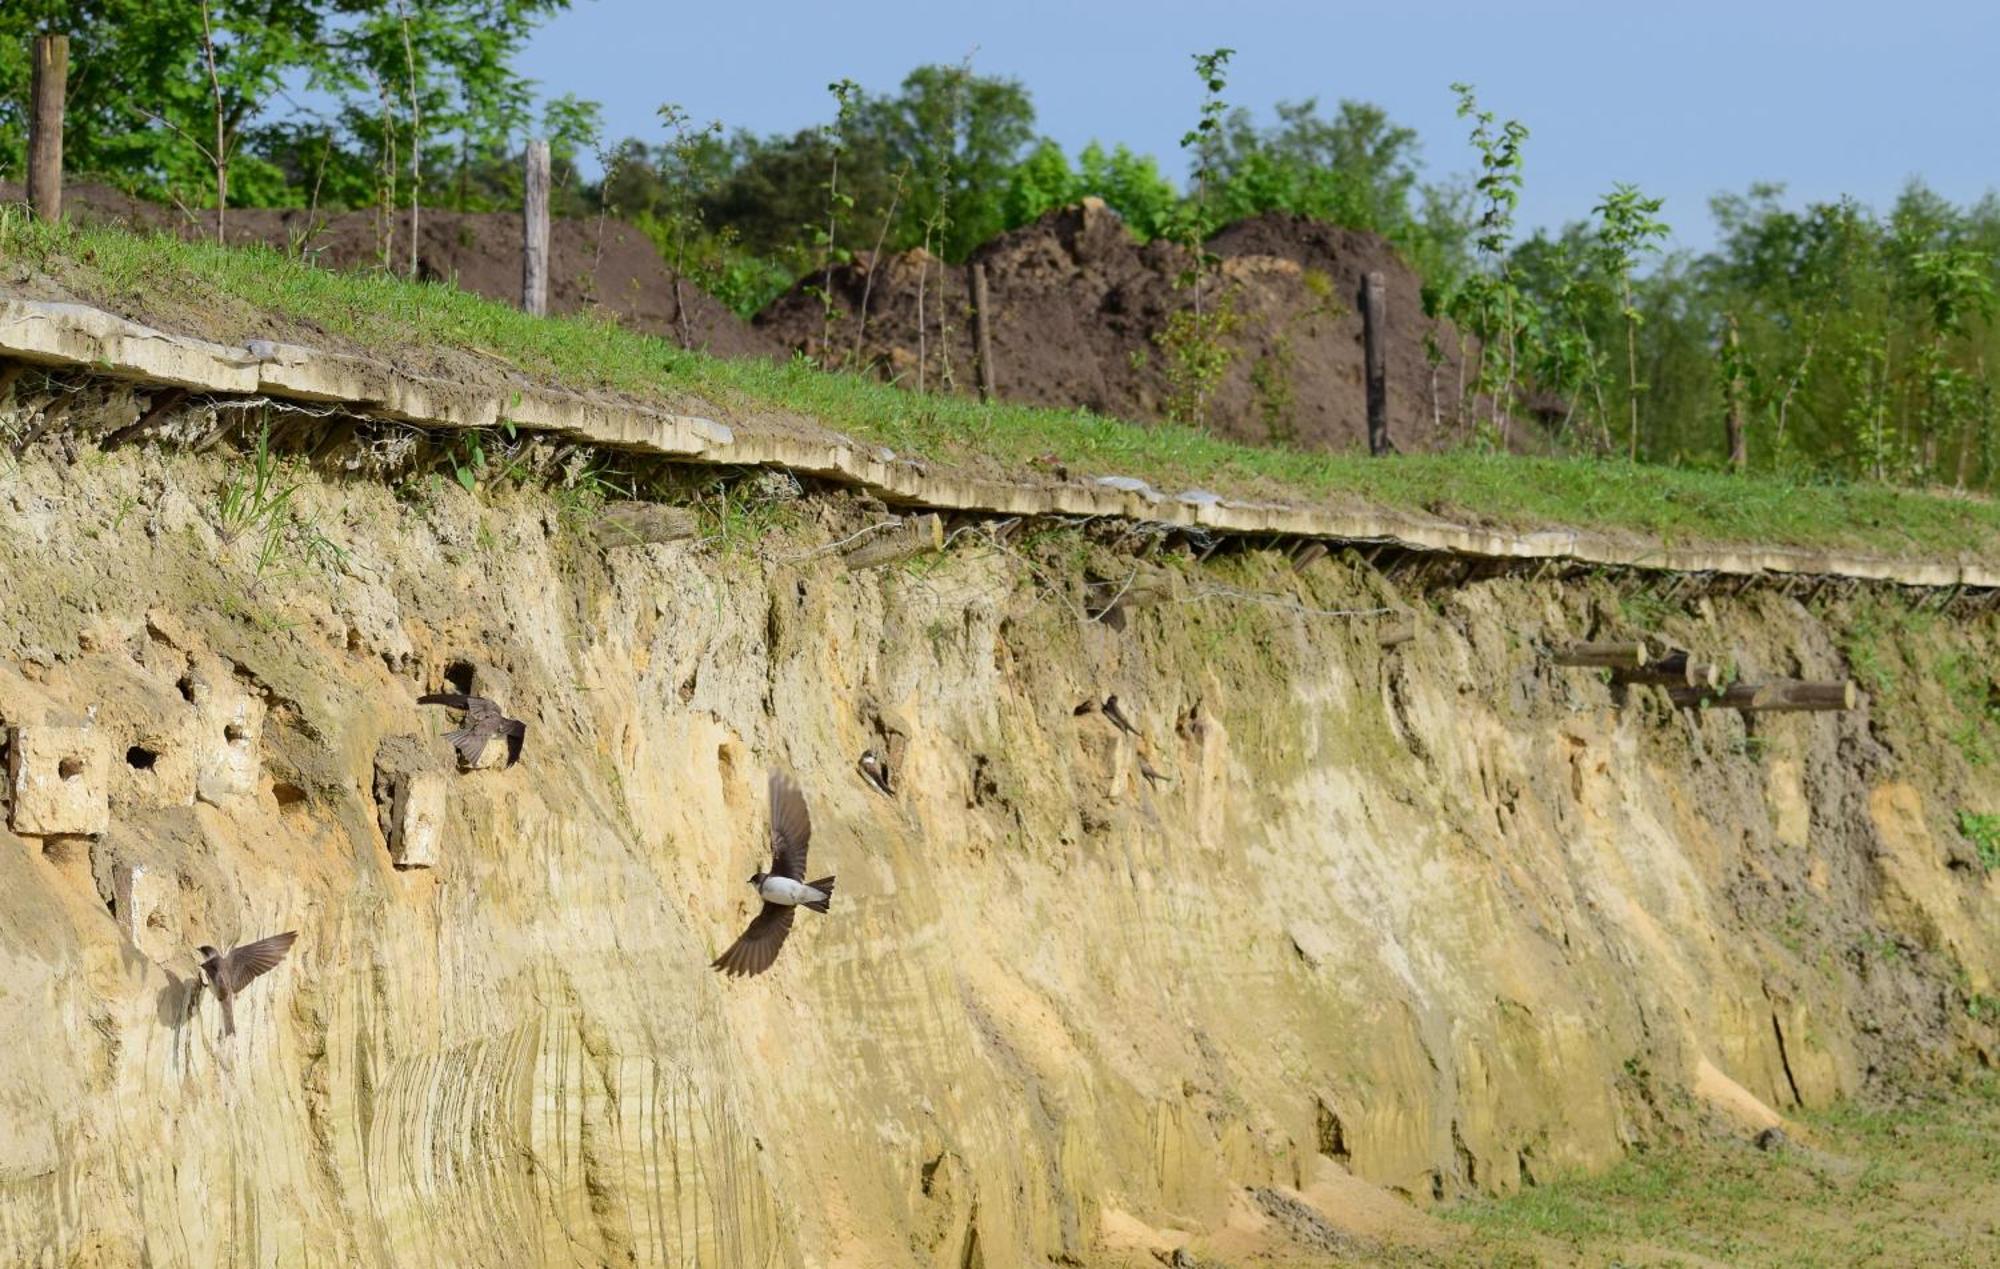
(1081, 311)
(604, 266)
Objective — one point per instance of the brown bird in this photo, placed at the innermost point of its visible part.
(230, 972)
(875, 771)
(1152, 777)
(782, 889)
(1117, 716)
(483, 721)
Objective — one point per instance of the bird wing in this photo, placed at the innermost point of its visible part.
(791, 828)
(515, 731)
(245, 963)
(450, 700)
(753, 952)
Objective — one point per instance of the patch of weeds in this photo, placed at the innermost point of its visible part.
(254, 498)
(1861, 640)
(737, 516)
(1644, 610)
(583, 492)
(1977, 717)
(1750, 747)
(1198, 346)
(1271, 387)
(1982, 1008)
(1983, 831)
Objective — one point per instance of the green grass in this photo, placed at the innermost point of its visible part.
(238, 293)
(1912, 1183)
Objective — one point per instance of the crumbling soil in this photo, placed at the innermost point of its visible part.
(1080, 309)
(606, 266)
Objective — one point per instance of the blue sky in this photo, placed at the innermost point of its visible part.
(1684, 97)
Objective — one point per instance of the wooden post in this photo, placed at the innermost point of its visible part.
(1777, 696)
(1673, 668)
(1739, 443)
(638, 523)
(917, 535)
(982, 332)
(1375, 338)
(535, 231)
(49, 82)
(1616, 656)
(1396, 633)
(1307, 554)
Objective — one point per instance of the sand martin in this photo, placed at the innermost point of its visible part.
(875, 771)
(231, 971)
(782, 889)
(1117, 716)
(483, 721)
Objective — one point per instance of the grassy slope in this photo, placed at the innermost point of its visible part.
(1914, 1184)
(237, 293)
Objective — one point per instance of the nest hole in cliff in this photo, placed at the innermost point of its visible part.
(70, 768)
(140, 758)
(185, 686)
(287, 795)
(236, 733)
(460, 674)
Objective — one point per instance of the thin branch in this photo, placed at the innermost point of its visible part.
(831, 547)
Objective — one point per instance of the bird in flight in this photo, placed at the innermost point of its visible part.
(231, 971)
(782, 889)
(483, 721)
(1153, 777)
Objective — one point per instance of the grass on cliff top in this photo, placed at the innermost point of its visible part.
(236, 293)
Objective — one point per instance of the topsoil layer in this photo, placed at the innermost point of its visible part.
(602, 266)
(1080, 308)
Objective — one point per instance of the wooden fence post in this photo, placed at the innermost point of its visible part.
(49, 80)
(982, 332)
(1375, 338)
(535, 231)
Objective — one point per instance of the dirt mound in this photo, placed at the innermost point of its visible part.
(609, 266)
(1081, 313)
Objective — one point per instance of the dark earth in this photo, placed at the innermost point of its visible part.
(1079, 308)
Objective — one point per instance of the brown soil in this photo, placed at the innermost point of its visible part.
(1080, 306)
(611, 267)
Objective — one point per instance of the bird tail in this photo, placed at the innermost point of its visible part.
(228, 1013)
(825, 886)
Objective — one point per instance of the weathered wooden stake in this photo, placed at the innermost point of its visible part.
(1604, 655)
(1375, 338)
(1396, 633)
(917, 535)
(1739, 442)
(1307, 554)
(1673, 668)
(535, 231)
(49, 83)
(638, 523)
(982, 332)
(1776, 696)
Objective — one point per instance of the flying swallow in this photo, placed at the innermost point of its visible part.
(1117, 716)
(231, 971)
(483, 721)
(875, 771)
(782, 889)
(1152, 777)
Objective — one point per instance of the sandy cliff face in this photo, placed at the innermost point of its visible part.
(1442, 919)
